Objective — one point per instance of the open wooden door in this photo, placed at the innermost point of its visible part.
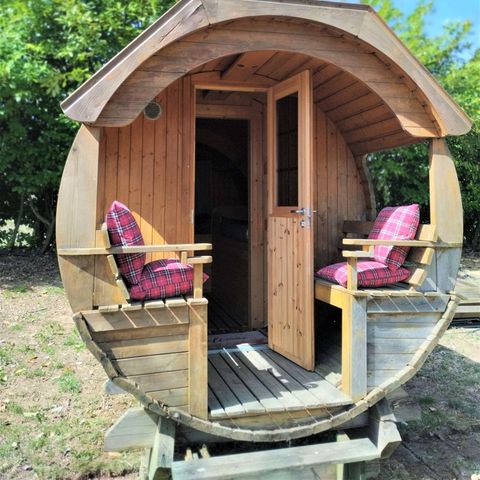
(290, 220)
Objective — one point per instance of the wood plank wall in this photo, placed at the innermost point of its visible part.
(139, 166)
(147, 166)
(338, 191)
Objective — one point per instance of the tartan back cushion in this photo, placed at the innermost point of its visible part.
(124, 231)
(394, 223)
(370, 274)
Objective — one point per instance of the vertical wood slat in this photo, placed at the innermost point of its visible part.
(171, 163)
(148, 158)
(159, 179)
(332, 188)
(198, 358)
(339, 194)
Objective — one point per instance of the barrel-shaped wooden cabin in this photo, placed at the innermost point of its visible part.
(242, 127)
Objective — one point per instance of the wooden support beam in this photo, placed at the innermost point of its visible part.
(446, 211)
(277, 463)
(382, 429)
(198, 358)
(111, 389)
(354, 347)
(161, 455)
(134, 429)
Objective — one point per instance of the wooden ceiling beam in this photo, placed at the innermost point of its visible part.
(246, 65)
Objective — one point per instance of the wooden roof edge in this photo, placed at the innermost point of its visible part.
(156, 32)
(188, 16)
(449, 115)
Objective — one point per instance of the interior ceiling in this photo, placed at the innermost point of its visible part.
(361, 115)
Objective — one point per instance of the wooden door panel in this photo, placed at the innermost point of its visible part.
(290, 233)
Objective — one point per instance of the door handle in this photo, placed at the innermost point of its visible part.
(307, 212)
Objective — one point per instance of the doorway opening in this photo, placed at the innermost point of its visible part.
(222, 218)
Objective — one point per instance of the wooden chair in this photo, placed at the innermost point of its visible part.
(183, 249)
(419, 258)
(353, 301)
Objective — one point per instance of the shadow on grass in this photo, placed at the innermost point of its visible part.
(21, 271)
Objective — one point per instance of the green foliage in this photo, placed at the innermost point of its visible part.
(444, 57)
(47, 49)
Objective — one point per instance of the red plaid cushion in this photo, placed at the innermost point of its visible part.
(124, 231)
(395, 223)
(163, 279)
(370, 274)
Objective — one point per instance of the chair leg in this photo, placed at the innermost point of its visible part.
(197, 280)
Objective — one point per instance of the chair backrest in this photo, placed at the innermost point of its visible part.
(117, 276)
(124, 231)
(394, 223)
(418, 259)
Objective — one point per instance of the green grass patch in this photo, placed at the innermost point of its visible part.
(14, 408)
(426, 401)
(73, 340)
(54, 290)
(7, 355)
(69, 383)
(18, 289)
(46, 335)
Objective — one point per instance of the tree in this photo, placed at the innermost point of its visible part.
(444, 56)
(47, 49)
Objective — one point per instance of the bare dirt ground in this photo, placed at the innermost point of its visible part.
(53, 413)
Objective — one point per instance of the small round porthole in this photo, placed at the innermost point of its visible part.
(152, 111)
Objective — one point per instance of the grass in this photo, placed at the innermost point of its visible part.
(53, 413)
(68, 383)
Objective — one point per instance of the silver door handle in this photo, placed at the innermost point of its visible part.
(301, 211)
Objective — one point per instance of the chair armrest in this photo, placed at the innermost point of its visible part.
(196, 260)
(185, 247)
(366, 242)
(358, 253)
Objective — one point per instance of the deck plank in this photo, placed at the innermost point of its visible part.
(226, 397)
(302, 393)
(216, 409)
(289, 401)
(246, 398)
(325, 393)
(263, 394)
(248, 381)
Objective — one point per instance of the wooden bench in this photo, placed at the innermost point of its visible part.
(197, 262)
(353, 301)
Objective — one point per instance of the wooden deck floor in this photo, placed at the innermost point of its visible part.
(220, 321)
(469, 289)
(254, 380)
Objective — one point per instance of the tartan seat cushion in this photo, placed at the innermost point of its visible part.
(394, 223)
(124, 231)
(162, 279)
(370, 274)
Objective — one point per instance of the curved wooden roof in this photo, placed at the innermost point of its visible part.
(351, 38)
